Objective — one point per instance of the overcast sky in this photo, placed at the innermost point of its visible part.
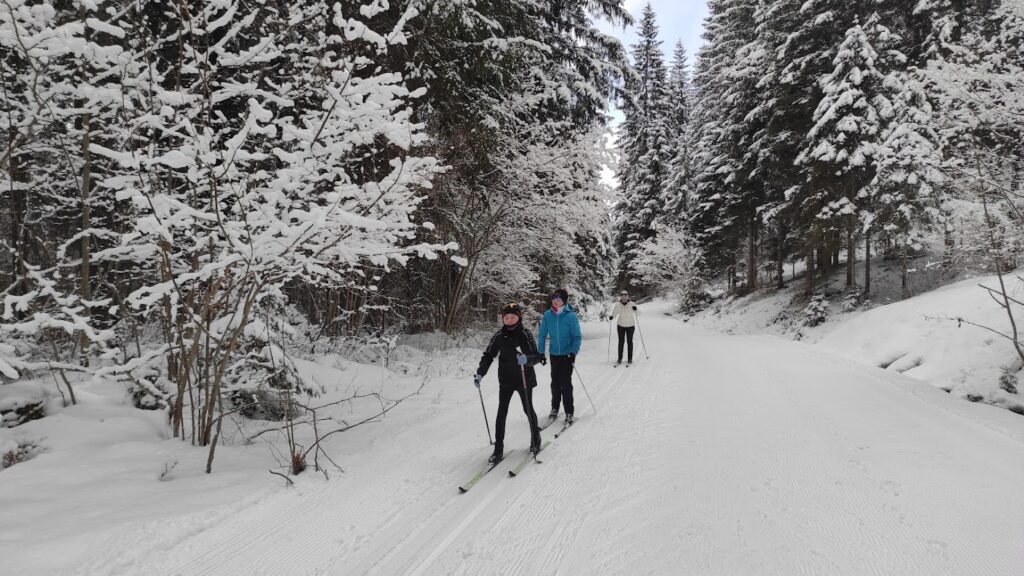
(677, 20)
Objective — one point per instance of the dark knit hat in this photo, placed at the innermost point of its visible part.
(561, 293)
(512, 308)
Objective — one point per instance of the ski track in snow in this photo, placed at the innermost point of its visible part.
(719, 455)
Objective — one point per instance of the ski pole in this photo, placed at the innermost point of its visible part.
(486, 421)
(637, 319)
(584, 388)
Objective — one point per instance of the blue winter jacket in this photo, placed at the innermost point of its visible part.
(563, 330)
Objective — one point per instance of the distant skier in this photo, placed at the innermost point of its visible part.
(561, 326)
(626, 311)
(517, 354)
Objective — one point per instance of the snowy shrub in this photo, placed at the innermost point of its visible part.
(144, 400)
(1008, 379)
(21, 402)
(22, 413)
(262, 383)
(12, 452)
(671, 263)
(853, 300)
(816, 311)
(265, 404)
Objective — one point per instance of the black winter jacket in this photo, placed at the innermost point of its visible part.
(506, 344)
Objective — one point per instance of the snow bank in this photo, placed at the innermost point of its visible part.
(920, 337)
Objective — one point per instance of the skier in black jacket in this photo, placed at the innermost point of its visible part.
(517, 353)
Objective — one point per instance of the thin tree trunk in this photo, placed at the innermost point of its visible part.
(752, 253)
(780, 268)
(999, 272)
(85, 271)
(18, 236)
(851, 254)
(867, 262)
(904, 281)
(809, 280)
(949, 248)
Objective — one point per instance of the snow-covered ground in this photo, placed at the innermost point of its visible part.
(718, 455)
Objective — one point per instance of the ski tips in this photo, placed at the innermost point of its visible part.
(462, 490)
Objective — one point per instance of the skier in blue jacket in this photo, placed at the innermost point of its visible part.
(561, 326)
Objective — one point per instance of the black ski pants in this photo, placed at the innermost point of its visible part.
(626, 334)
(561, 383)
(504, 399)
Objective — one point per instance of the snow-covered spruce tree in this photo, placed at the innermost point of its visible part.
(646, 148)
(906, 195)
(793, 49)
(842, 147)
(809, 54)
(702, 219)
(680, 95)
(247, 180)
(723, 212)
(740, 101)
(783, 113)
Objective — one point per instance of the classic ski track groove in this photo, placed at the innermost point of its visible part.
(330, 530)
(512, 486)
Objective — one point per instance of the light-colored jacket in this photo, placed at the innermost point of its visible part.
(626, 313)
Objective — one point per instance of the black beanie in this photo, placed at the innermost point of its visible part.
(563, 293)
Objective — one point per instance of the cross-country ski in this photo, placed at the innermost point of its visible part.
(479, 475)
(534, 457)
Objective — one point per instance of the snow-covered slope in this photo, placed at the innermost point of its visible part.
(718, 455)
(920, 337)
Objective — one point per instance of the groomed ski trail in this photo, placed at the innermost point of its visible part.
(719, 455)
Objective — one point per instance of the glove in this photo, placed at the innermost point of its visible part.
(543, 360)
(476, 380)
(521, 359)
(572, 359)
(634, 306)
(610, 318)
